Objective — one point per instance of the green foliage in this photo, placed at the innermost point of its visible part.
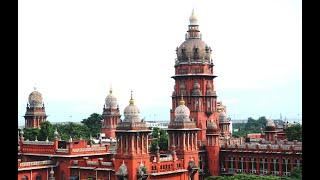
(31, 133)
(46, 130)
(296, 174)
(294, 132)
(252, 126)
(93, 122)
(74, 130)
(245, 177)
(163, 143)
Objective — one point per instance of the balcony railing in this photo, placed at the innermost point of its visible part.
(36, 163)
(62, 150)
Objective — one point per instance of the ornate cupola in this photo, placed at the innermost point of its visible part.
(111, 116)
(193, 49)
(35, 111)
(194, 78)
(224, 124)
(270, 131)
(183, 136)
(132, 140)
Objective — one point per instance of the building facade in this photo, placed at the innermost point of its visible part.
(200, 141)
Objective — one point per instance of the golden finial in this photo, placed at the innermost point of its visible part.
(131, 99)
(110, 90)
(181, 100)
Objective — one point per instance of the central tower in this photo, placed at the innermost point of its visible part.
(194, 79)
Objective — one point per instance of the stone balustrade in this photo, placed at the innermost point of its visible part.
(35, 163)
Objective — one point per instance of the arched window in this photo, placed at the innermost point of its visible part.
(24, 178)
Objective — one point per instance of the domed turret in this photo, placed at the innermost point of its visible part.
(131, 112)
(212, 127)
(182, 112)
(111, 101)
(223, 117)
(35, 99)
(193, 49)
(270, 125)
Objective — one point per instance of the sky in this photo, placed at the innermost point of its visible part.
(73, 51)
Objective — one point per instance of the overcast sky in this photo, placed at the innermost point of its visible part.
(74, 50)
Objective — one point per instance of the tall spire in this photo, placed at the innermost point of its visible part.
(131, 99)
(193, 18)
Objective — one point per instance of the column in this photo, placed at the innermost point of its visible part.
(127, 144)
(147, 143)
(247, 159)
(184, 140)
(188, 144)
(280, 166)
(132, 143)
(173, 139)
(192, 141)
(268, 165)
(142, 149)
(121, 144)
(196, 139)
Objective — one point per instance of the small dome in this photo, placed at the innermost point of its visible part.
(182, 112)
(111, 101)
(223, 117)
(35, 99)
(131, 112)
(212, 126)
(270, 123)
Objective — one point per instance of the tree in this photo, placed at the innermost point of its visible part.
(46, 130)
(252, 126)
(73, 130)
(31, 133)
(93, 122)
(296, 173)
(163, 142)
(294, 132)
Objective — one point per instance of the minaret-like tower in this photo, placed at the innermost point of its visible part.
(224, 124)
(183, 139)
(111, 116)
(213, 148)
(194, 79)
(35, 113)
(132, 144)
(270, 131)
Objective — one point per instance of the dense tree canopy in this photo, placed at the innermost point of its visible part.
(252, 126)
(31, 133)
(46, 131)
(294, 132)
(73, 130)
(163, 143)
(89, 126)
(93, 122)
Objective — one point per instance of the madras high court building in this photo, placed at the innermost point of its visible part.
(200, 143)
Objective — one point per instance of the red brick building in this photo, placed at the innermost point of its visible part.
(200, 143)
